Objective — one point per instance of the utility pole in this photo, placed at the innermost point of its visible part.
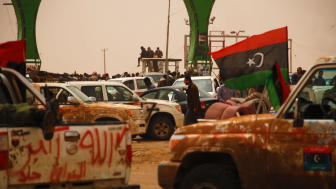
(166, 62)
(104, 60)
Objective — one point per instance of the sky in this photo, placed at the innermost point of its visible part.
(72, 33)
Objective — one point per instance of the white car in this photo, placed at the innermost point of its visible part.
(161, 116)
(207, 83)
(156, 76)
(136, 84)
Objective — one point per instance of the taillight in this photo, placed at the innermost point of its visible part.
(128, 144)
(178, 108)
(203, 107)
(3, 151)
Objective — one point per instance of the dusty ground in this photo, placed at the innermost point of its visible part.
(147, 154)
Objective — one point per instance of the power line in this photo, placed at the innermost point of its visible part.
(310, 52)
(10, 21)
(177, 51)
(177, 11)
(313, 48)
(71, 64)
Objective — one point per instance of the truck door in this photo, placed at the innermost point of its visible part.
(119, 94)
(75, 153)
(71, 112)
(301, 152)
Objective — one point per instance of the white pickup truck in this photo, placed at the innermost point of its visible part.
(79, 155)
(161, 116)
(77, 107)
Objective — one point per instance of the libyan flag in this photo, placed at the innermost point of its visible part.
(250, 61)
(276, 87)
(13, 55)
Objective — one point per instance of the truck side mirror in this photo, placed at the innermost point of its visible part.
(72, 100)
(298, 122)
(93, 98)
(135, 98)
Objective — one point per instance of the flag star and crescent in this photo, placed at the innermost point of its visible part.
(248, 62)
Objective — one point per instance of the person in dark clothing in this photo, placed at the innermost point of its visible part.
(143, 54)
(171, 79)
(319, 81)
(149, 84)
(163, 81)
(297, 76)
(150, 55)
(193, 102)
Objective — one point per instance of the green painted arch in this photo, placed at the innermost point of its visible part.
(199, 13)
(26, 14)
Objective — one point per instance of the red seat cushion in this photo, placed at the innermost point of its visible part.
(231, 111)
(216, 110)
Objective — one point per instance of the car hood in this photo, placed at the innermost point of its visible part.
(111, 105)
(208, 99)
(167, 102)
(242, 124)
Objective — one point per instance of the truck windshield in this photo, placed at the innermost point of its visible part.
(80, 94)
(156, 78)
(204, 84)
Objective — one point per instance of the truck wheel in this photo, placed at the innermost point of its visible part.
(160, 128)
(211, 176)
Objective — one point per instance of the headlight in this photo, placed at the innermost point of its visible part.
(178, 107)
(142, 114)
(134, 113)
(174, 141)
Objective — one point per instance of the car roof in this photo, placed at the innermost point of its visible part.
(326, 59)
(126, 78)
(154, 73)
(95, 82)
(197, 78)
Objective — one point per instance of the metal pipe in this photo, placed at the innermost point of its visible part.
(166, 62)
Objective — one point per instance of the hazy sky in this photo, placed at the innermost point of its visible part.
(71, 33)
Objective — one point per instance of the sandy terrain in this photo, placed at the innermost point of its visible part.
(147, 154)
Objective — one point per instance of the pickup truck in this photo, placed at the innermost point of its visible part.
(161, 116)
(294, 148)
(79, 155)
(77, 107)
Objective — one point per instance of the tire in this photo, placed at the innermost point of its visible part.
(211, 176)
(160, 128)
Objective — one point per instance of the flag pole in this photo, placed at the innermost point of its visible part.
(262, 95)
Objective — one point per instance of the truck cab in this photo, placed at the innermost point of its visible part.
(79, 155)
(294, 148)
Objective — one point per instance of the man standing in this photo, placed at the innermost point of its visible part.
(149, 84)
(171, 79)
(193, 102)
(158, 53)
(150, 55)
(143, 54)
(224, 93)
(297, 76)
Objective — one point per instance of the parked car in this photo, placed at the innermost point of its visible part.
(136, 84)
(77, 107)
(161, 116)
(76, 155)
(156, 76)
(207, 83)
(174, 93)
